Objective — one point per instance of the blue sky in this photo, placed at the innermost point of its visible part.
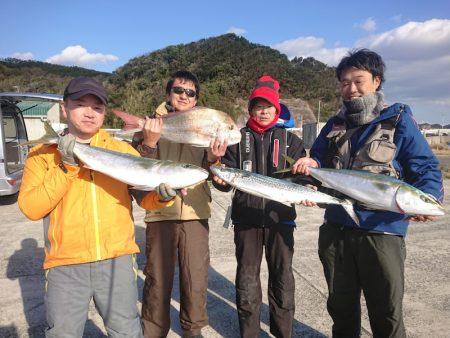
(413, 37)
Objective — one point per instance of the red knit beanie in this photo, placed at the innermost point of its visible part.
(268, 89)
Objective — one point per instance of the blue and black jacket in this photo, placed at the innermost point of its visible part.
(413, 160)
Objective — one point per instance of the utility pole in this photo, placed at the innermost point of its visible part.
(318, 120)
(318, 114)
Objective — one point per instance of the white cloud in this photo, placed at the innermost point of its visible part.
(417, 57)
(236, 30)
(79, 56)
(311, 46)
(368, 25)
(23, 56)
(412, 41)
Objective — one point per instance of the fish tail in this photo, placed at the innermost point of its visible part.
(130, 121)
(349, 208)
(50, 137)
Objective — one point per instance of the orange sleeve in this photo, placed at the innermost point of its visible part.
(44, 183)
(151, 202)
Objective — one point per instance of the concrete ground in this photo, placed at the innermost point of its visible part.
(426, 302)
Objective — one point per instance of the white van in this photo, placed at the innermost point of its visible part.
(12, 133)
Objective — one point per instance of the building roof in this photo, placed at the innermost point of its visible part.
(35, 108)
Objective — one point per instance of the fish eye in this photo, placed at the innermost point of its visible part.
(427, 199)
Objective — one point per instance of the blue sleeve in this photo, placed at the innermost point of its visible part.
(418, 165)
(319, 149)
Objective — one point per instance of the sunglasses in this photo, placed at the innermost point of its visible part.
(181, 90)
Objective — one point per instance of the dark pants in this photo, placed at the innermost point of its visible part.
(167, 240)
(355, 260)
(278, 243)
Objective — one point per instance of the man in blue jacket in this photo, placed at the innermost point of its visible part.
(367, 134)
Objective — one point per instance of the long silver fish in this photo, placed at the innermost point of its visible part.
(377, 191)
(196, 126)
(278, 190)
(139, 172)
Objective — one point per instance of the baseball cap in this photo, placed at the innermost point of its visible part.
(80, 86)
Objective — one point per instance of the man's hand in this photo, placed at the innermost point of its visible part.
(65, 147)
(219, 181)
(152, 131)
(166, 193)
(216, 149)
(302, 164)
(307, 203)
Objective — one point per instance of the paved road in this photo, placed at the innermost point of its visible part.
(444, 160)
(426, 304)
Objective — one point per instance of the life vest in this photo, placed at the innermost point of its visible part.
(377, 152)
(278, 148)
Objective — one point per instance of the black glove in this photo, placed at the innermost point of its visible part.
(165, 194)
(65, 147)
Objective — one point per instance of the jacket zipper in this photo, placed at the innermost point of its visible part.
(95, 210)
(264, 173)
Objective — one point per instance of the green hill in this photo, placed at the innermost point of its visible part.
(227, 67)
(36, 76)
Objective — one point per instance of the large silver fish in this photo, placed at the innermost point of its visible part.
(278, 190)
(139, 172)
(377, 191)
(196, 126)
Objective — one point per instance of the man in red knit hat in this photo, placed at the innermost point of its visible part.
(262, 225)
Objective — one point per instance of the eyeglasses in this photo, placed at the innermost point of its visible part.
(181, 90)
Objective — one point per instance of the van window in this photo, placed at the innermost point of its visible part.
(10, 128)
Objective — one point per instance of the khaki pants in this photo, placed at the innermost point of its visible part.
(166, 241)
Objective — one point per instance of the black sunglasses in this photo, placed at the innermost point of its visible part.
(181, 90)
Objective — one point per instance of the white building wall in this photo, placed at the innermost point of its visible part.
(35, 124)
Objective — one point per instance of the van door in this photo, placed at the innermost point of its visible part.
(12, 133)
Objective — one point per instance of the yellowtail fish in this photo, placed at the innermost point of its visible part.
(138, 172)
(378, 191)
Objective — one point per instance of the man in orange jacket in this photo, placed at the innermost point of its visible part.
(88, 226)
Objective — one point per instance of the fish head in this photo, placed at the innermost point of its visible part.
(230, 132)
(190, 174)
(224, 173)
(225, 126)
(413, 201)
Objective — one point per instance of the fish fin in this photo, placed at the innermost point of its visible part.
(289, 160)
(325, 185)
(142, 187)
(131, 121)
(349, 208)
(50, 137)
